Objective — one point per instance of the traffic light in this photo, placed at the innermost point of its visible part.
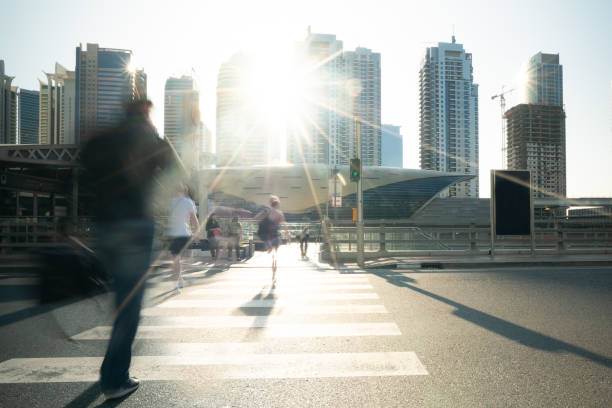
(355, 169)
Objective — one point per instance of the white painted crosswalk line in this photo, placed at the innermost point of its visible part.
(291, 283)
(218, 366)
(305, 279)
(196, 306)
(301, 297)
(236, 303)
(269, 329)
(212, 312)
(277, 289)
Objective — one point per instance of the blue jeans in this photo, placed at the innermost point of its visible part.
(125, 249)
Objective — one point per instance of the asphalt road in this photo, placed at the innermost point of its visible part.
(538, 337)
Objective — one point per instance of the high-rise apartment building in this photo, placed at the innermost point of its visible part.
(392, 146)
(182, 117)
(104, 83)
(345, 101)
(57, 107)
(363, 71)
(8, 108)
(536, 142)
(544, 80)
(448, 124)
(140, 84)
(28, 116)
(241, 140)
(323, 137)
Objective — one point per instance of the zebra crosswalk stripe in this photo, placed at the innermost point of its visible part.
(218, 366)
(270, 330)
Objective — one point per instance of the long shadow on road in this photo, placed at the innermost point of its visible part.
(502, 327)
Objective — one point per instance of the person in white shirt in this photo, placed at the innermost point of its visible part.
(182, 216)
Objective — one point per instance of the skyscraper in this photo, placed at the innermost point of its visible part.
(536, 142)
(140, 84)
(58, 107)
(28, 116)
(241, 141)
(363, 70)
(182, 117)
(544, 80)
(323, 137)
(345, 90)
(392, 146)
(448, 123)
(104, 82)
(8, 108)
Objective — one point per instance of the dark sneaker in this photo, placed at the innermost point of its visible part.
(129, 386)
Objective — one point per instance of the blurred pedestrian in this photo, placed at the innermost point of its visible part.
(213, 235)
(182, 217)
(234, 235)
(120, 166)
(271, 219)
(304, 238)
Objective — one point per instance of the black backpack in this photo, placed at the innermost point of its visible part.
(265, 228)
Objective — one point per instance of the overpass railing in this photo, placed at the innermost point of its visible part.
(552, 236)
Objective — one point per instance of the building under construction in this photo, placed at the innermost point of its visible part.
(536, 142)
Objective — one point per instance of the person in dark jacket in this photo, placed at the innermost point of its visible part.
(120, 166)
(213, 234)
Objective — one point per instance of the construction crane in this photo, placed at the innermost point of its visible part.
(502, 104)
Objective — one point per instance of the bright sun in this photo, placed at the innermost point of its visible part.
(277, 91)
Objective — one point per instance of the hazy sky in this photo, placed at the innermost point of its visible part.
(169, 38)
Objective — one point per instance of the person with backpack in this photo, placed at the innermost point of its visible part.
(270, 221)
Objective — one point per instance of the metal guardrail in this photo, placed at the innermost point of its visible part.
(553, 235)
(560, 236)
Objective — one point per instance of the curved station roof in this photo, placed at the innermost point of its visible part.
(388, 192)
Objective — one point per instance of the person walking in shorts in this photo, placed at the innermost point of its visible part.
(182, 215)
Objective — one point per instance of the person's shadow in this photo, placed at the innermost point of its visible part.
(261, 314)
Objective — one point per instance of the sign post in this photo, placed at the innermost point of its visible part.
(512, 205)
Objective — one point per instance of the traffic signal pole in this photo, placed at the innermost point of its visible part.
(359, 198)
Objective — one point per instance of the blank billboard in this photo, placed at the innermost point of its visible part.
(512, 202)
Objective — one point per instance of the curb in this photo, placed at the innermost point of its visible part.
(480, 265)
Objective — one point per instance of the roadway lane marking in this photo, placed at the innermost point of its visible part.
(218, 366)
(195, 306)
(269, 329)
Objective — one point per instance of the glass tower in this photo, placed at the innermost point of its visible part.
(544, 80)
(448, 124)
(28, 116)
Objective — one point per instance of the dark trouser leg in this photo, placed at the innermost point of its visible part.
(236, 245)
(127, 258)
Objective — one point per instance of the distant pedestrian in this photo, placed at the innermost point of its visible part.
(120, 168)
(213, 235)
(234, 235)
(182, 217)
(304, 238)
(271, 220)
